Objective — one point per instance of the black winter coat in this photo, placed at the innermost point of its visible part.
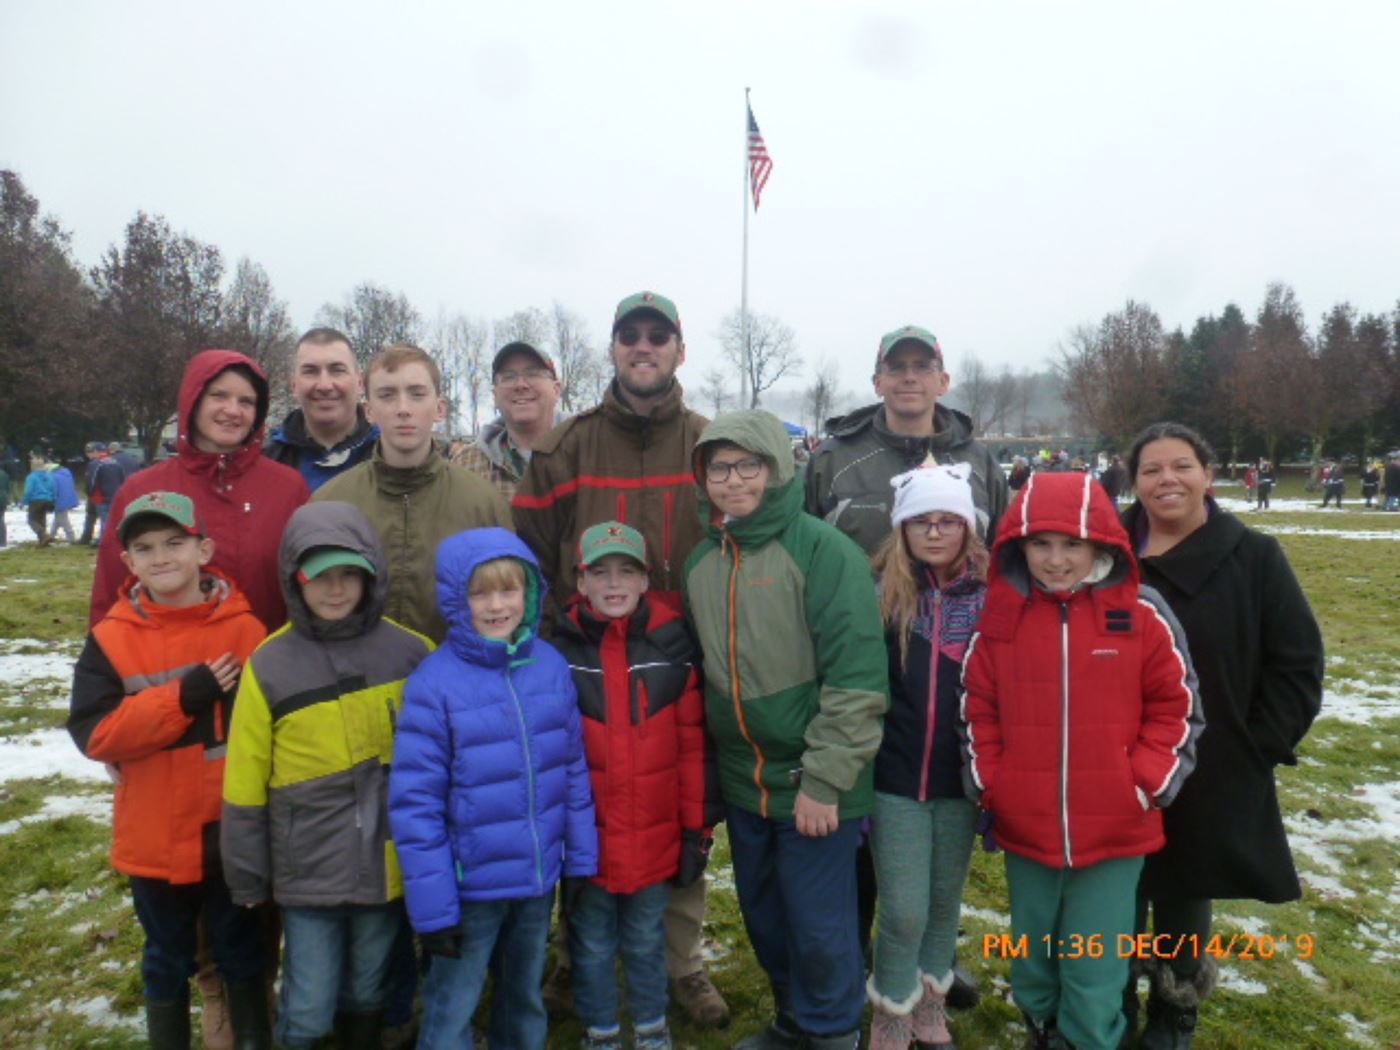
(1258, 654)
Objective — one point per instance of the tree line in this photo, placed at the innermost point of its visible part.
(1268, 386)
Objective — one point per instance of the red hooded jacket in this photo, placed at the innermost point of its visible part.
(1080, 711)
(243, 499)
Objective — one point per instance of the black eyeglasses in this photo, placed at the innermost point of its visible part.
(630, 335)
(748, 469)
(943, 526)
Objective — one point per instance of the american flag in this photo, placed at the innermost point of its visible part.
(760, 164)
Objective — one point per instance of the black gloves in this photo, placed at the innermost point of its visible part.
(199, 691)
(447, 943)
(573, 889)
(695, 855)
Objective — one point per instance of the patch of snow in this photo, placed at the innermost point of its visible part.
(1357, 701)
(22, 579)
(1358, 1031)
(94, 807)
(99, 1013)
(49, 752)
(1342, 534)
(996, 919)
(44, 661)
(1307, 970)
(1250, 924)
(1324, 885)
(1232, 980)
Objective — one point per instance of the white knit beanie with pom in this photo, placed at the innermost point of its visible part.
(934, 487)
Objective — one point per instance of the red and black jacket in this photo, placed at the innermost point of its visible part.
(1080, 711)
(643, 730)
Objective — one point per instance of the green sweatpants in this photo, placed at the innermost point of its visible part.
(1074, 970)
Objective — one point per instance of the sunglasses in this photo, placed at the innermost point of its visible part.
(631, 335)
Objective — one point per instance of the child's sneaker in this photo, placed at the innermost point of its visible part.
(609, 1038)
(653, 1036)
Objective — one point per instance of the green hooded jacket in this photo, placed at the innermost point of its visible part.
(795, 666)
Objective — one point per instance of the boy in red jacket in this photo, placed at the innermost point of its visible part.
(152, 695)
(1080, 718)
(633, 662)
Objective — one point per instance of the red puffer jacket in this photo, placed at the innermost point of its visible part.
(643, 729)
(1080, 711)
(243, 498)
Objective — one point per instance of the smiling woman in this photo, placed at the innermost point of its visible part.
(1258, 654)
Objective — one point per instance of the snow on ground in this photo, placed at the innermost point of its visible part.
(46, 753)
(1357, 701)
(1324, 844)
(100, 1013)
(1232, 980)
(44, 661)
(94, 807)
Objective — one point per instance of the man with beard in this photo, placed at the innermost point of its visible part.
(327, 433)
(628, 460)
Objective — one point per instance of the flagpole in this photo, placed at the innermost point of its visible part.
(744, 285)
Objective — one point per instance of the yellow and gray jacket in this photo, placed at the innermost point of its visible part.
(306, 787)
(795, 668)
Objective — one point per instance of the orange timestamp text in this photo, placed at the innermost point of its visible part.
(1148, 945)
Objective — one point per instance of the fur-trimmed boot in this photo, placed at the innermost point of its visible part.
(930, 1016)
(1132, 1005)
(1172, 1007)
(247, 1007)
(892, 1023)
(1041, 1035)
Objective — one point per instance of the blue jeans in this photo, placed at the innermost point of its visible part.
(518, 932)
(603, 926)
(320, 944)
(169, 915)
(798, 897)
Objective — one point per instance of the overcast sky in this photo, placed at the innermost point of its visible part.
(995, 172)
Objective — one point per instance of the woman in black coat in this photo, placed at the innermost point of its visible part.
(1258, 654)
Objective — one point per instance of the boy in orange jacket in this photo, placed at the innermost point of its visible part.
(152, 696)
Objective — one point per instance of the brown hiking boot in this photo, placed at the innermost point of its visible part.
(214, 1025)
(700, 999)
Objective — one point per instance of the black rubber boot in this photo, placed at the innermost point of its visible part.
(168, 1024)
(844, 1041)
(247, 1010)
(358, 1030)
(964, 994)
(782, 1033)
(1172, 1008)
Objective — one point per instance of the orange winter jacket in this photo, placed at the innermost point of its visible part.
(140, 661)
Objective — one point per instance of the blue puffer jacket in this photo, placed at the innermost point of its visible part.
(489, 796)
(65, 492)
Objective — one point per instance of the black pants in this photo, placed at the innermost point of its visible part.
(1178, 918)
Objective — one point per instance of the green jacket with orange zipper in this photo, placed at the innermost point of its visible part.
(796, 679)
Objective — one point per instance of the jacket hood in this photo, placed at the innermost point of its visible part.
(1072, 503)
(952, 429)
(763, 433)
(332, 524)
(224, 600)
(457, 558)
(199, 373)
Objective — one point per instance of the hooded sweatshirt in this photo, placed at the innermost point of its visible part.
(1080, 707)
(242, 498)
(795, 667)
(306, 793)
(489, 796)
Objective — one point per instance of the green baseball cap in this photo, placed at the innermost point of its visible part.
(175, 507)
(519, 347)
(319, 559)
(652, 301)
(909, 333)
(611, 537)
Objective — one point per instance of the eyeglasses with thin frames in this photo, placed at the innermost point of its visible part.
(919, 368)
(630, 335)
(942, 526)
(534, 375)
(748, 469)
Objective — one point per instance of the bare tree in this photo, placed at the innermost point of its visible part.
(256, 322)
(373, 318)
(772, 350)
(818, 398)
(1114, 375)
(158, 304)
(580, 369)
(530, 325)
(459, 346)
(973, 391)
(714, 391)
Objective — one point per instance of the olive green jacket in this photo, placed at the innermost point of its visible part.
(413, 509)
(795, 667)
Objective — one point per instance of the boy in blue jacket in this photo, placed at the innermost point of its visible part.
(489, 798)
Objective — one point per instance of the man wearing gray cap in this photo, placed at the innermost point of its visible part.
(526, 391)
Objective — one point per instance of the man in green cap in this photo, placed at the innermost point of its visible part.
(849, 475)
(628, 459)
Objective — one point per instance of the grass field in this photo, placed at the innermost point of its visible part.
(69, 943)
